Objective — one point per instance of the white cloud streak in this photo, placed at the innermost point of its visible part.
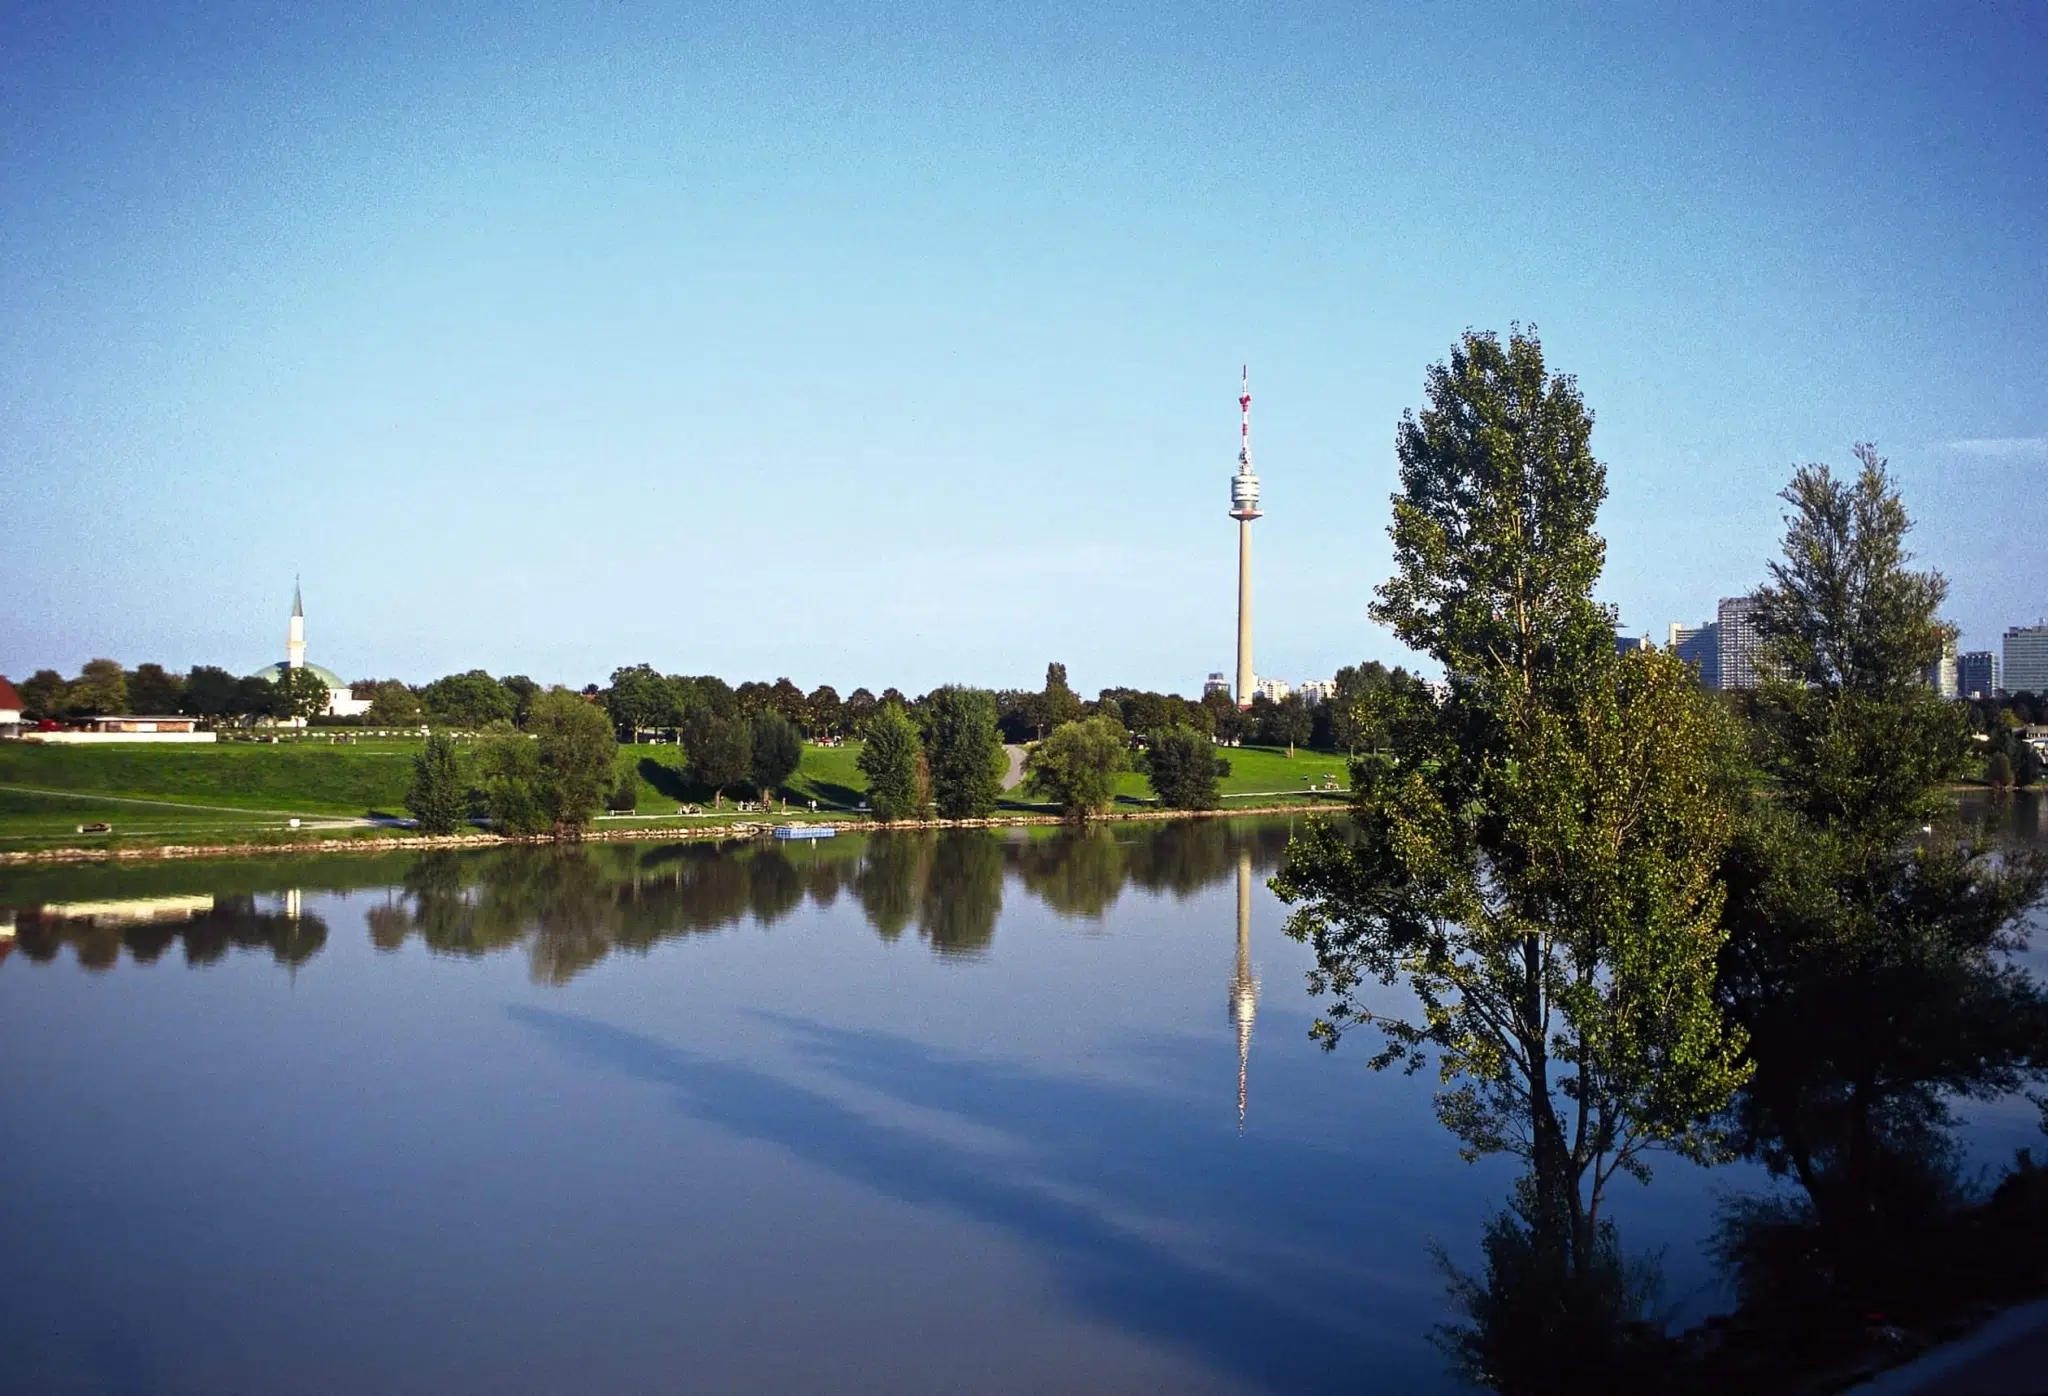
(2001, 447)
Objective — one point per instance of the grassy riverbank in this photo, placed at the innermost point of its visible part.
(246, 793)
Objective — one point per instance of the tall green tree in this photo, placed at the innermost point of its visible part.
(776, 751)
(42, 694)
(1867, 960)
(436, 798)
(472, 700)
(302, 693)
(1058, 703)
(892, 758)
(576, 756)
(717, 746)
(1183, 767)
(392, 704)
(100, 688)
(508, 782)
(1077, 766)
(1536, 860)
(826, 711)
(965, 751)
(639, 698)
(152, 690)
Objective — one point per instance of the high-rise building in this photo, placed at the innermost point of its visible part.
(1273, 689)
(1217, 682)
(1315, 691)
(2026, 659)
(1738, 642)
(1699, 646)
(1244, 507)
(1942, 675)
(1977, 674)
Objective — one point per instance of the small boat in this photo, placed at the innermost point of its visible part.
(805, 831)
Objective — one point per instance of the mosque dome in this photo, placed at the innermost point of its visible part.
(273, 673)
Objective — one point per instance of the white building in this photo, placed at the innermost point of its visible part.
(340, 701)
(1315, 691)
(1216, 683)
(1274, 689)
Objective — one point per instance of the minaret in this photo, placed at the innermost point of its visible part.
(295, 635)
(1244, 507)
(1244, 985)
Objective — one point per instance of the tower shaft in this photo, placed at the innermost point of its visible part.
(1244, 613)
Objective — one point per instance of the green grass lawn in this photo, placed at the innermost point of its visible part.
(175, 791)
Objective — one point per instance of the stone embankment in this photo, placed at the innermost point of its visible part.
(736, 828)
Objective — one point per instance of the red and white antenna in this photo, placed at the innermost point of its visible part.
(1244, 486)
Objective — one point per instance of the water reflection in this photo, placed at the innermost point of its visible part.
(569, 908)
(208, 926)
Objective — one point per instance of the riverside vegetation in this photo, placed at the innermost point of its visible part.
(1633, 923)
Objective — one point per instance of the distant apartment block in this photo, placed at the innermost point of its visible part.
(1977, 674)
(1944, 675)
(1315, 691)
(1740, 644)
(1274, 689)
(1699, 646)
(1216, 683)
(2026, 659)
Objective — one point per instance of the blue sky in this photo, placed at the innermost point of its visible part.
(899, 343)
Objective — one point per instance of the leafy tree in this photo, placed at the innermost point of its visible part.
(719, 747)
(1183, 767)
(301, 693)
(393, 704)
(254, 697)
(1226, 719)
(776, 751)
(860, 706)
(1998, 771)
(1537, 858)
(640, 698)
(786, 698)
(43, 694)
(966, 754)
(435, 798)
(753, 695)
(1867, 962)
(892, 758)
(825, 709)
(522, 691)
(1286, 723)
(99, 689)
(151, 690)
(1077, 766)
(508, 771)
(473, 700)
(625, 796)
(1058, 703)
(576, 757)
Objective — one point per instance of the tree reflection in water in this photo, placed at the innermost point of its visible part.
(97, 933)
(569, 907)
(1884, 1238)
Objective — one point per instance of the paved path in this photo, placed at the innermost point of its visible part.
(2006, 1357)
(1016, 774)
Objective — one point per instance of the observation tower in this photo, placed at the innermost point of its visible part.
(1244, 507)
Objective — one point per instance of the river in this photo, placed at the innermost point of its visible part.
(973, 1111)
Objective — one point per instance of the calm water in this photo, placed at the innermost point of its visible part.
(964, 1112)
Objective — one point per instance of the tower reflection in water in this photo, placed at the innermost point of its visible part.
(1244, 985)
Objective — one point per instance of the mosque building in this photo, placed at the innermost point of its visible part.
(340, 701)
